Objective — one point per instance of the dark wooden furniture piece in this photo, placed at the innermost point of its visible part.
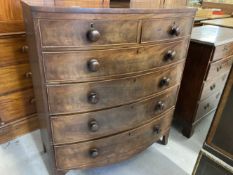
(207, 67)
(105, 79)
(226, 22)
(17, 105)
(216, 156)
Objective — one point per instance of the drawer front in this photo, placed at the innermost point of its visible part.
(17, 105)
(111, 149)
(214, 85)
(81, 33)
(13, 50)
(165, 29)
(83, 97)
(15, 77)
(208, 105)
(223, 51)
(96, 65)
(87, 126)
(219, 67)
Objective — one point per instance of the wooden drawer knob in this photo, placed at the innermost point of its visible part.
(93, 35)
(157, 129)
(93, 125)
(94, 153)
(25, 49)
(212, 87)
(160, 106)
(28, 75)
(93, 65)
(164, 81)
(175, 31)
(170, 55)
(93, 98)
(32, 101)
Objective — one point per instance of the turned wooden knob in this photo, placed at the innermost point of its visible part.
(93, 35)
(94, 153)
(165, 81)
(93, 65)
(25, 49)
(28, 75)
(93, 98)
(160, 106)
(93, 125)
(157, 129)
(170, 55)
(175, 31)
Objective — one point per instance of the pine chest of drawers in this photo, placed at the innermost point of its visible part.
(106, 80)
(209, 61)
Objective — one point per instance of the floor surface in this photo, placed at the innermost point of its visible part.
(24, 156)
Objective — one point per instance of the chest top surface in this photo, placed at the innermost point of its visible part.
(101, 6)
(212, 35)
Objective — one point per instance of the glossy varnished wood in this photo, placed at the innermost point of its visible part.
(73, 66)
(17, 105)
(70, 98)
(113, 148)
(75, 128)
(11, 51)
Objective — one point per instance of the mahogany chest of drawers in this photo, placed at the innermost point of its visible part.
(106, 80)
(209, 61)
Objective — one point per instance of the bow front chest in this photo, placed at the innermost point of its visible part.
(106, 80)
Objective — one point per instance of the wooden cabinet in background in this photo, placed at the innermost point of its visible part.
(17, 102)
(207, 67)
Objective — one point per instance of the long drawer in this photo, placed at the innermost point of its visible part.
(17, 105)
(113, 148)
(83, 97)
(13, 50)
(165, 29)
(87, 126)
(83, 33)
(223, 51)
(207, 105)
(213, 85)
(219, 67)
(15, 77)
(101, 64)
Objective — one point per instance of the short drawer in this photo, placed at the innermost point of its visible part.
(208, 105)
(13, 50)
(219, 67)
(223, 51)
(17, 105)
(15, 77)
(88, 126)
(103, 151)
(165, 29)
(213, 85)
(83, 97)
(96, 65)
(82, 33)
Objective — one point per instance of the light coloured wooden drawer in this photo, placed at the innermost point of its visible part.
(96, 65)
(223, 51)
(13, 50)
(88, 126)
(155, 30)
(86, 33)
(83, 97)
(213, 85)
(208, 104)
(219, 67)
(15, 77)
(112, 149)
(17, 105)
